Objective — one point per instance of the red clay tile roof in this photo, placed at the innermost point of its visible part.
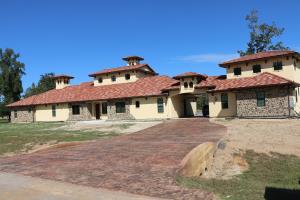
(189, 74)
(258, 56)
(123, 68)
(127, 58)
(262, 80)
(148, 86)
(63, 76)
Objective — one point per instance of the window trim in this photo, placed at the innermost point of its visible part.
(259, 99)
(123, 107)
(275, 66)
(137, 104)
(224, 102)
(240, 71)
(53, 108)
(103, 106)
(254, 68)
(75, 106)
(160, 105)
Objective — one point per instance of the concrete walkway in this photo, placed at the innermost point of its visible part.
(19, 187)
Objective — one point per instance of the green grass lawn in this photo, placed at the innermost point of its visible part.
(279, 171)
(15, 138)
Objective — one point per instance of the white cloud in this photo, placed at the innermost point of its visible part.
(208, 58)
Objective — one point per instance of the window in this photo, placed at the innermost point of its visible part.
(256, 68)
(100, 80)
(185, 84)
(53, 111)
(120, 107)
(76, 110)
(15, 114)
(191, 84)
(224, 100)
(261, 99)
(160, 105)
(66, 81)
(104, 108)
(237, 71)
(29, 110)
(127, 76)
(113, 78)
(277, 65)
(137, 104)
(296, 96)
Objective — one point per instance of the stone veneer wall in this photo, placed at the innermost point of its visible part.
(111, 110)
(85, 112)
(276, 103)
(23, 115)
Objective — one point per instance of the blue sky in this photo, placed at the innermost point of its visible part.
(78, 37)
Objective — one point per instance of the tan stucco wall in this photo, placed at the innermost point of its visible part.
(288, 70)
(215, 106)
(188, 80)
(44, 113)
(147, 109)
(120, 77)
(60, 84)
(175, 105)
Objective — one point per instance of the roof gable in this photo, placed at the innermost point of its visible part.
(259, 56)
(124, 68)
(262, 80)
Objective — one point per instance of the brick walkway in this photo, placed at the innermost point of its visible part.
(142, 163)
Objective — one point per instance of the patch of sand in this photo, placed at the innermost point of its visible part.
(262, 136)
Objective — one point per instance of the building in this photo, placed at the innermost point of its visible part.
(261, 85)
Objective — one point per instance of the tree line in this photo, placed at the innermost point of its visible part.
(261, 38)
(11, 88)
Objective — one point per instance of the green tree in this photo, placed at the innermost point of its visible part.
(262, 36)
(45, 83)
(11, 72)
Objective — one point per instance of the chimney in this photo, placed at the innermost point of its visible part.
(133, 60)
(62, 81)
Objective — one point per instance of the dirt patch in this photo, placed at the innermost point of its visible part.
(41, 147)
(263, 136)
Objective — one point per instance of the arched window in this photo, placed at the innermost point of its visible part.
(127, 76)
(185, 84)
(191, 84)
(100, 80)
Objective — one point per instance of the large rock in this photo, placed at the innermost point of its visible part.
(196, 162)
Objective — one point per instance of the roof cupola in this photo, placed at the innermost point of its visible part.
(133, 60)
(62, 81)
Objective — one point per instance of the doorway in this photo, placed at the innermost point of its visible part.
(97, 111)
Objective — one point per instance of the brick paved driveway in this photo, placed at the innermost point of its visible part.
(144, 162)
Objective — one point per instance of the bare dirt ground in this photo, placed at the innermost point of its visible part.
(262, 136)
